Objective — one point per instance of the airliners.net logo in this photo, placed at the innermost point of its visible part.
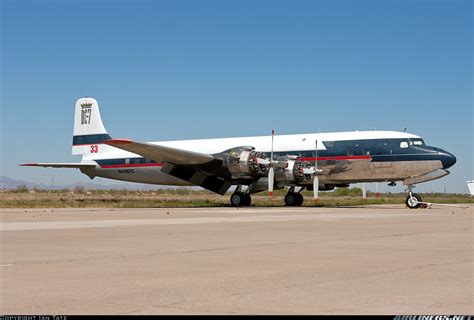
(433, 318)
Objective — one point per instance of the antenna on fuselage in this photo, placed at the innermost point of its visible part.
(404, 129)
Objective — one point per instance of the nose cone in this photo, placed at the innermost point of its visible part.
(448, 160)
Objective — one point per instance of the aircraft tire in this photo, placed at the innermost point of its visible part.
(237, 199)
(413, 202)
(291, 199)
(247, 200)
(299, 199)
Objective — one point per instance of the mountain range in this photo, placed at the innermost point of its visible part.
(7, 183)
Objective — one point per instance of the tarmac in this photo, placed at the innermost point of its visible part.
(361, 260)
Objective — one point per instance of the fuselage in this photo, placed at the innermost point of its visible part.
(346, 157)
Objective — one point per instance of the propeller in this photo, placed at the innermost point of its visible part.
(271, 173)
(316, 179)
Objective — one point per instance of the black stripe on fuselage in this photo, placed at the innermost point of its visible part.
(372, 148)
(90, 139)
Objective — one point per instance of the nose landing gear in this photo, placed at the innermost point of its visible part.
(413, 200)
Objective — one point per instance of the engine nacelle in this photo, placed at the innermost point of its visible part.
(245, 162)
(291, 170)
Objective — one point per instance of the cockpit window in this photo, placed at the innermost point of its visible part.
(404, 144)
(418, 142)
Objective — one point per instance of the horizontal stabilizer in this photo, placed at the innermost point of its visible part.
(161, 153)
(60, 165)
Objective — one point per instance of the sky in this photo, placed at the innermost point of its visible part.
(170, 70)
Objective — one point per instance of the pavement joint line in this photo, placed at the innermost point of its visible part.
(79, 224)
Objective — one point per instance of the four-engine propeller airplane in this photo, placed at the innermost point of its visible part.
(313, 161)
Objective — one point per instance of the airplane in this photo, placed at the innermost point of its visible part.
(470, 185)
(312, 161)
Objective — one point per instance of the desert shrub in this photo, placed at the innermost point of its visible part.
(21, 188)
(79, 189)
(347, 192)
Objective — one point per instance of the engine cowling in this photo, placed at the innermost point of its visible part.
(291, 170)
(245, 162)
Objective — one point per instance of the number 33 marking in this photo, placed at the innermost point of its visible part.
(94, 148)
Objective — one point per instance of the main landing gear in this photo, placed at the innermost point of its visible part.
(240, 198)
(413, 200)
(294, 199)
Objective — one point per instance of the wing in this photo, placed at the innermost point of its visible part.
(161, 153)
(60, 165)
(197, 168)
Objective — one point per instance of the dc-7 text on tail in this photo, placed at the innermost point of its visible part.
(313, 161)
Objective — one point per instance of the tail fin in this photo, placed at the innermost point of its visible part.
(88, 128)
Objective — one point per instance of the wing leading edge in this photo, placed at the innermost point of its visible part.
(161, 153)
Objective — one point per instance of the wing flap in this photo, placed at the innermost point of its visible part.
(197, 177)
(161, 153)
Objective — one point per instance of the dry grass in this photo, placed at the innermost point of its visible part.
(24, 198)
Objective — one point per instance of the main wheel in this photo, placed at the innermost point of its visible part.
(291, 199)
(299, 199)
(413, 201)
(247, 200)
(237, 199)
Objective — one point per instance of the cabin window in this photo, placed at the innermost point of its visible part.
(403, 144)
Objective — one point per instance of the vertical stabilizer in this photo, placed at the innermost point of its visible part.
(89, 131)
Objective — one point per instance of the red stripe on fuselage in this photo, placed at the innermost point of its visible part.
(110, 166)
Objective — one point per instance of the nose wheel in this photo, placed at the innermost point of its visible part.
(413, 200)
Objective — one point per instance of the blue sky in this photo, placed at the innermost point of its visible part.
(164, 70)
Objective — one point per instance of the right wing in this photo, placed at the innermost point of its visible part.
(161, 153)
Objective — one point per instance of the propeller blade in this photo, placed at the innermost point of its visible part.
(270, 182)
(316, 179)
(271, 174)
(316, 188)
